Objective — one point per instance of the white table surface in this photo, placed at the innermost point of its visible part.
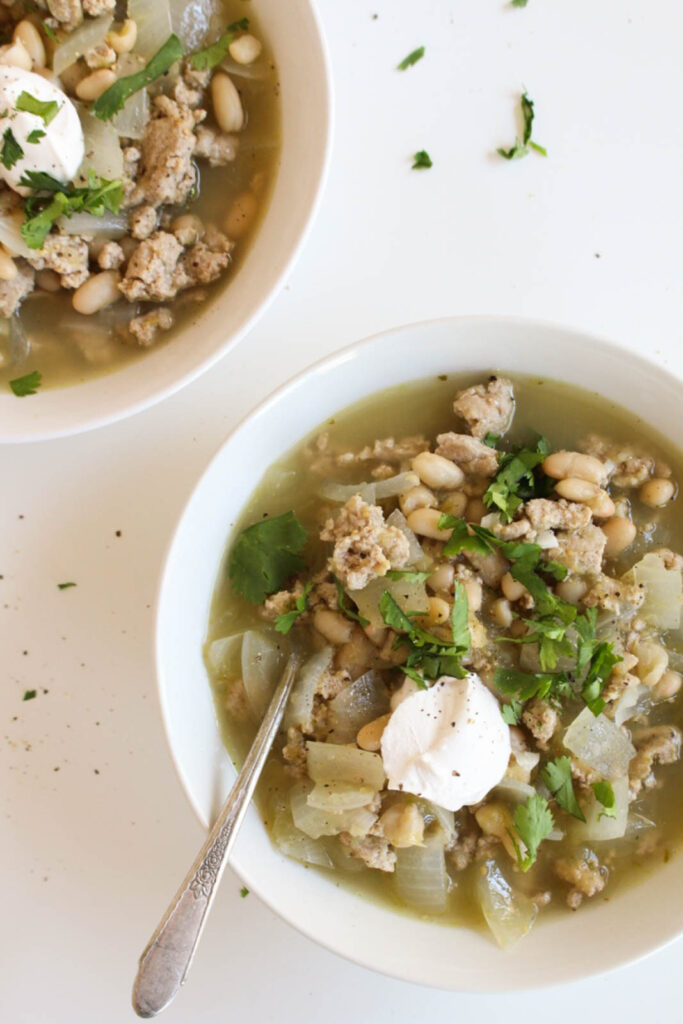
(94, 829)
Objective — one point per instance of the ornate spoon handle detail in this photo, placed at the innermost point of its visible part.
(166, 959)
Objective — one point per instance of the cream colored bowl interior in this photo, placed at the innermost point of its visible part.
(601, 936)
(295, 35)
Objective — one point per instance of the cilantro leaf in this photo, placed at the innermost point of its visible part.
(41, 212)
(411, 59)
(550, 635)
(557, 776)
(518, 3)
(266, 555)
(244, 892)
(284, 622)
(521, 149)
(212, 55)
(344, 608)
(432, 655)
(533, 823)
(491, 439)
(11, 152)
(47, 109)
(22, 386)
(113, 99)
(515, 481)
(512, 712)
(459, 614)
(599, 670)
(65, 586)
(604, 794)
(421, 160)
(35, 136)
(524, 685)
(461, 539)
(30, 694)
(409, 575)
(50, 32)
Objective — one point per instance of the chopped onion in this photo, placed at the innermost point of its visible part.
(638, 823)
(358, 703)
(153, 20)
(421, 878)
(90, 33)
(329, 762)
(417, 558)
(598, 825)
(295, 843)
(254, 72)
(262, 661)
(395, 485)
(11, 238)
(600, 744)
(663, 591)
(316, 823)
(630, 702)
(339, 796)
(102, 153)
(434, 814)
(342, 857)
(192, 20)
(514, 788)
(111, 225)
(131, 121)
(510, 915)
(20, 346)
(222, 654)
(342, 492)
(408, 596)
(300, 708)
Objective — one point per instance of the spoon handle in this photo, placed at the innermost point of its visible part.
(166, 959)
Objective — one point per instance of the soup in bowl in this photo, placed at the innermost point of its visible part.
(480, 570)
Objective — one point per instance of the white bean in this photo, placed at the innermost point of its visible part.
(455, 504)
(332, 625)
(653, 661)
(601, 505)
(512, 588)
(416, 497)
(441, 580)
(92, 86)
(187, 228)
(48, 281)
(668, 685)
(227, 105)
(403, 825)
(27, 34)
(99, 291)
(476, 510)
(123, 40)
(425, 522)
(573, 488)
(439, 611)
(657, 492)
(370, 736)
(8, 268)
(245, 49)
(241, 215)
(437, 472)
(475, 594)
(571, 590)
(564, 464)
(16, 55)
(501, 612)
(620, 533)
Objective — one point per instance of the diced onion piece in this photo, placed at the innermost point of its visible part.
(300, 708)
(395, 485)
(598, 825)
(510, 915)
(192, 19)
(295, 843)
(223, 655)
(408, 596)
(421, 878)
(111, 225)
(11, 238)
(154, 25)
(663, 591)
(89, 34)
(515, 789)
(255, 72)
(262, 663)
(339, 796)
(343, 859)
(434, 814)
(316, 823)
(331, 491)
(417, 558)
(600, 744)
(638, 823)
(329, 762)
(102, 150)
(630, 702)
(131, 121)
(358, 703)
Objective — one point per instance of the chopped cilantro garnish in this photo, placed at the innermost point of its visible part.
(212, 55)
(50, 32)
(525, 686)
(11, 152)
(512, 712)
(244, 891)
(344, 608)
(550, 634)
(557, 776)
(265, 555)
(30, 694)
(409, 575)
(604, 794)
(41, 212)
(491, 439)
(433, 656)
(516, 482)
(47, 109)
(284, 623)
(113, 99)
(65, 586)
(461, 539)
(522, 148)
(533, 823)
(35, 136)
(422, 160)
(22, 386)
(411, 59)
(518, 3)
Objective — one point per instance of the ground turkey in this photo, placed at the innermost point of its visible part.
(486, 408)
(364, 546)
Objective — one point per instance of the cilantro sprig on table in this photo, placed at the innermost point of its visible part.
(266, 555)
(429, 656)
(522, 148)
(413, 57)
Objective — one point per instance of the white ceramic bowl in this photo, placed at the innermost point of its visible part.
(294, 32)
(564, 948)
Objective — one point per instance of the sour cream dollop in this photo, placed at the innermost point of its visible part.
(448, 744)
(60, 150)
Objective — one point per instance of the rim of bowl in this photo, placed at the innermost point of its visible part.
(23, 434)
(323, 366)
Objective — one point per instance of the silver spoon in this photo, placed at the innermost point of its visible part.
(167, 957)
